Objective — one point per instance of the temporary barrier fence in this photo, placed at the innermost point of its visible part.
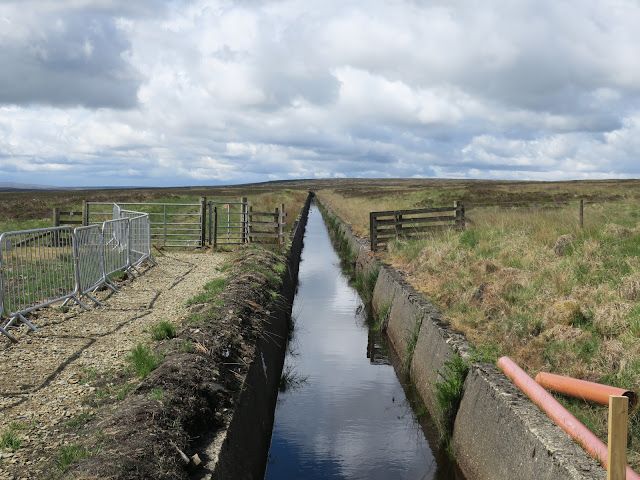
(116, 248)
(139, 237)
(37, 268)
(89, 256)
(171, 224)
(44, 266)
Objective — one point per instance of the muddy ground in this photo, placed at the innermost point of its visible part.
(79, 411)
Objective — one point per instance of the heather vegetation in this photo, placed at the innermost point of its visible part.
(525, 280)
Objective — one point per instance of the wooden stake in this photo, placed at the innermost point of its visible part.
(617, 448)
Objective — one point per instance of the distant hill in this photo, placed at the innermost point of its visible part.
(9, 186)
(26, 187)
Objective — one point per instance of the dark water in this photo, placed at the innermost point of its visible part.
(344, 414)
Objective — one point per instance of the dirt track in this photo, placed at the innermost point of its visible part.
(46, 379)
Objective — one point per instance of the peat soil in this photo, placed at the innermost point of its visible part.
(158, 435)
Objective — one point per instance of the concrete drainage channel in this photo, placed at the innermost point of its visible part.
(242, 451)
(495, 431)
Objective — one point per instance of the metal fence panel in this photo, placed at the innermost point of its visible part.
(171, 224)
(43, 266)
(88, 251)
(37, 268)
(139, 236)
(116, 250)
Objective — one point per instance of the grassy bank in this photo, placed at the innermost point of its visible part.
(569, 307)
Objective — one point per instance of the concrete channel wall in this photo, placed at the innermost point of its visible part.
(498, 433)
(242, 453)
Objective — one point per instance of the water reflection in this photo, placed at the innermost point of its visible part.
(349, 418)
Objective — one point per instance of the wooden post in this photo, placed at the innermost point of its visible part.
(457, 214)
(215, 227)
(463, 218)
(203, 221)
(56, 216)
(398, 225)
(282, 221)
(617, 445)
(85, 213)
(243, 219)
(373, 231)
(277, 227)
(249, 226)
(581, 213)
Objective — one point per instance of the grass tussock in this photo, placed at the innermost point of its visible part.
(143, 360)
(530, 283)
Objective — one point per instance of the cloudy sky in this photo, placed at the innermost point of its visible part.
(203, 92)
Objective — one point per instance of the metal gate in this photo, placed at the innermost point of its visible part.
(228, 222)
(172, 224)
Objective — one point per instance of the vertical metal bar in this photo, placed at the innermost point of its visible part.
(210, 220)
(243, 218)
(215, 228)
(165, 225)
(581, 213)
(203, 233)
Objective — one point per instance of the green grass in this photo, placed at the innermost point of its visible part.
(9, 439)
(143, 360)
(69, 455)
(163, 330)
(411, 343)
(81, 419)
(449, 393)
(156, 394)
(211, 291)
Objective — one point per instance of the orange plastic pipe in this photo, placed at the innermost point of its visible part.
(594, 392)
(570, 424)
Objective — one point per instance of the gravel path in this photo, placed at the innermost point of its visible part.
(41, 384)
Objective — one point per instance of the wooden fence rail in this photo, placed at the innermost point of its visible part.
(73, 218)
(267, 225)
(389, 225)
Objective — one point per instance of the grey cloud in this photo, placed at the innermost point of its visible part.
(73, 58)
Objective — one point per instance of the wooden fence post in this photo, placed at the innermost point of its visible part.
(581, 213)
(373, 231)
(281, 225)
(617, 445)
(85, 213)
(203, 221)
(56, 216)
(398, 225)
(244, 218)
(249, 223)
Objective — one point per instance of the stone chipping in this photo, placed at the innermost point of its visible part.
(44, 384)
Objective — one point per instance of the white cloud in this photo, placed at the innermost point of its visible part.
(172, 93)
